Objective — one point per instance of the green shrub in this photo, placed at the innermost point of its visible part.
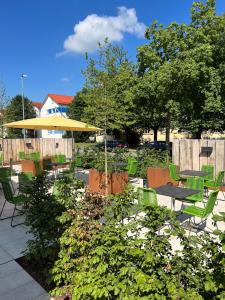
(151, 158)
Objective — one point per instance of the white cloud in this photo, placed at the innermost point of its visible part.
(94, 29)
(64, 79)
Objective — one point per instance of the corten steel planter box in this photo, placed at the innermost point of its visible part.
(116, 182)
(159, 176)
(28, 166)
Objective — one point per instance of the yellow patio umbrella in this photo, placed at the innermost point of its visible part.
(52, 123)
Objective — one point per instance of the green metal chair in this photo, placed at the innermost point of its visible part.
(173, 173)
(9, 197)
(195, 183)
(61, 158)
(132, 167)
(22, 155)
(215, 184)
(203, 213)
(5, 174)
(209, 169)
(146, 197)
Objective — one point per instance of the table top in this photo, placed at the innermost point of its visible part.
(193, 173)
(175, 192)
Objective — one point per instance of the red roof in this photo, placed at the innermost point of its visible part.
(61, 99)
(37, 104)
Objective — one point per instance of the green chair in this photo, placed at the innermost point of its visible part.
(5, 174)
(62, 158)
(208, 169)
(35, 156)
(173, 173)
(22, 155)
(203, 213)
(132, 167)
(146, 197)
(9, 197)
(195, 183)
(215, 184)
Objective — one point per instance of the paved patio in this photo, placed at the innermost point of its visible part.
(16, 283)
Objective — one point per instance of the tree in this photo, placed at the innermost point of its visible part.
(109, 79)
(4, 100)
(14, 112)
(76, 112)
(188, 66)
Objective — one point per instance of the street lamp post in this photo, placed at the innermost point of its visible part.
(22, 78)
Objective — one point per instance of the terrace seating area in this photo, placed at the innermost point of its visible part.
(194, 196)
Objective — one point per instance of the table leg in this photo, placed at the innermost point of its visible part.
(172, 203)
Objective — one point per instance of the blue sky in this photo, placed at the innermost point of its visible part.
(32, 36)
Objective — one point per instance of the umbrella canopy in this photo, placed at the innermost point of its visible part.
(52, 123)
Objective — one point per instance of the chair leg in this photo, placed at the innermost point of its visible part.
(13, 216)
(2, 209)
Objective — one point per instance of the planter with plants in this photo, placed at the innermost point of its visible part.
(117, 176)
(153, 165)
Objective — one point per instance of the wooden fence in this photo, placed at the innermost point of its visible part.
(12, 147)
(192, 154)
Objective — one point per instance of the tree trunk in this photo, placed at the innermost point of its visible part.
(155, 130)
(198, 134)
(168, 128)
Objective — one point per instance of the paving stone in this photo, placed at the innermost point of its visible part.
(4, 256)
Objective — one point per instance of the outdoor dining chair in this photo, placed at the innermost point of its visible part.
(195, 183)
(174, 174)
(11, 198)
(5, 174)
(217, 183)
(132, 167)
(208, 169)
(146, 197)
(202, 213)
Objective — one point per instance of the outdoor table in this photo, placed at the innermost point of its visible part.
(55, 165)
(193, 173)
(175, 193)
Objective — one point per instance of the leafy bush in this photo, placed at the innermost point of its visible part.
(117, 259)
(151, 158)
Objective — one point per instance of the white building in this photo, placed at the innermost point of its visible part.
(53, 105)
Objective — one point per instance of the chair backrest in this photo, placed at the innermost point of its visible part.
(196, 183)
(22, 155)
(211, 203)
(220, 178)
(208, 169)
(173, 171)
(7, 190)
(132, 169)
(147, 197)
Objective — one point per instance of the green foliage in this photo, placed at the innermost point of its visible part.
(14, 112)
(67, 190)
(42, 211)
(117, 259)
(151, 158)
(109, 79)
(76, 112)
(84, 220)
(185, 66)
